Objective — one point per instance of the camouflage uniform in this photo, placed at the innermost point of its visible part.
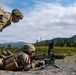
(3, 55)
(22, 60)
(6, 17)
(28, 48)
(4, 23)
(24, 56)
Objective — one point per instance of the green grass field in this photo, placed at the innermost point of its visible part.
(44, 50)
(56, 50)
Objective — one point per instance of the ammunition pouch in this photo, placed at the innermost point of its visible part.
(10, 63)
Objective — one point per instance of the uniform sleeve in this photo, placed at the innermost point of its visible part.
(5, 21)
(24, 58)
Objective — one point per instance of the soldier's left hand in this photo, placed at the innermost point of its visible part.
(37, 62)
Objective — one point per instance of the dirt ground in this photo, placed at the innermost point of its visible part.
(66, 67)
(70, 59)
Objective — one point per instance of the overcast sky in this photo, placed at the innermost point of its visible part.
(46, 19)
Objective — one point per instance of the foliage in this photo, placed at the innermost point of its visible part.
(16, 48)
(56, 50)
(59, 42)
(41, 49)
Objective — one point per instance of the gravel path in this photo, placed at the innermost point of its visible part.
(65, 68)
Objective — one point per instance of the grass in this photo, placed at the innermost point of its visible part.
(56, 50)
(44, 50)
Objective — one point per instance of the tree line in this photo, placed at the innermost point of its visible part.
(58, 42)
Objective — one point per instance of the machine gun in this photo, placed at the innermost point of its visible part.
(50, 58)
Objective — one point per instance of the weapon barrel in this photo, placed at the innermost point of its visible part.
(59, 56)
(41, 57)
(38, 57)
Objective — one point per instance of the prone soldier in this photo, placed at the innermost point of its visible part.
(20, 60)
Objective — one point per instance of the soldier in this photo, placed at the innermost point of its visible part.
(21, 59)
(4, 54)
(51, 46)
(6, 17)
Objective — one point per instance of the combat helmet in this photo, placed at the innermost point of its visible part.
(29, 48)
(4, 53)
(18, 13)
(8, 52)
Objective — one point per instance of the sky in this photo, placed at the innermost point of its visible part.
(43, 20)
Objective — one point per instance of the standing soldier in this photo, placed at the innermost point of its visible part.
(6, 17)
(51, 45)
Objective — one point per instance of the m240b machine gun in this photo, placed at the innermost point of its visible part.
(50, 58)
